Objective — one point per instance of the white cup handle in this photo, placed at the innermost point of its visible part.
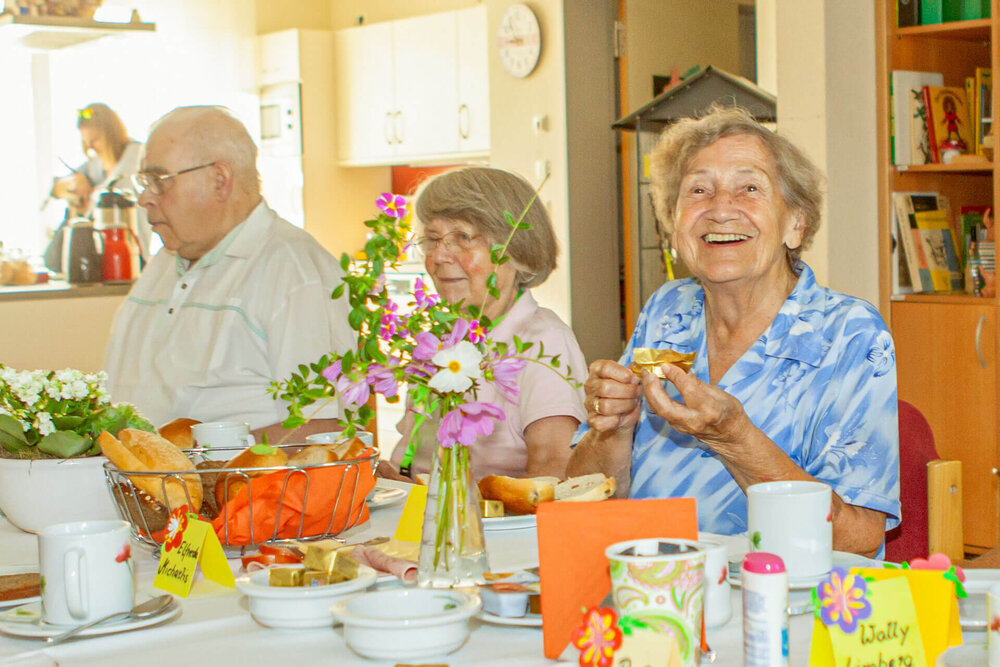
(75, 574)
(248, 440)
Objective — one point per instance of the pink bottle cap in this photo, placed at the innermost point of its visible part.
(760, 562)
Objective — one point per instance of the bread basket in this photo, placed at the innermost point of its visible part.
(276, 504)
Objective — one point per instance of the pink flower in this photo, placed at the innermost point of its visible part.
(383, 380)
(842, 600)
(477, 332)
(456, 335)
(598, 637)
(427, 346)
(333, 371)
(392, 205)
(377, 286)
(353, 392)
(389, 322)
(423, 299)
(505, 371)
(467, 422)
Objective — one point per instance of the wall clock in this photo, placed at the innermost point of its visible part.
(519, 40)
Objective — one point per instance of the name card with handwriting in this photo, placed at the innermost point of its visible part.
(891, 617)
(189, 543)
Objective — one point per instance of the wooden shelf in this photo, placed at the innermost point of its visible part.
(953, 298)
(47, 33)
(977, 30)
(964, 167)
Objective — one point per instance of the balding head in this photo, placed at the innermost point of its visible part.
(213, 133)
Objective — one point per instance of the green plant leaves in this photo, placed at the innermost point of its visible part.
(11, 434)
(64, 444)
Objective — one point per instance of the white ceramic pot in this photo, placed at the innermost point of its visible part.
(35, 494)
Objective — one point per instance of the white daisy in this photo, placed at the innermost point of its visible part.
(459, 367)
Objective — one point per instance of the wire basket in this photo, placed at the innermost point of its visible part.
(277, 504)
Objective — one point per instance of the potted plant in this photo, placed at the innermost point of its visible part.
(51, 470)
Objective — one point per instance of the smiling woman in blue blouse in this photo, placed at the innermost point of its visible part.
(792, 380)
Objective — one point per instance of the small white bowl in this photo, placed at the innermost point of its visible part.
(297, 607)
(406, 623)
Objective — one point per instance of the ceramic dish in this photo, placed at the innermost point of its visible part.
(406, 623)
(527, 621)
(297, 607)
(18, 569)
(967, 655)
(840, 559)
(513, 522)
(972, 610)
(383, 497)
(26, 621)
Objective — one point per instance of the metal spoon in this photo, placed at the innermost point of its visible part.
(145, 609)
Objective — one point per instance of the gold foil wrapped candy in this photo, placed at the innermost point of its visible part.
(645, 358)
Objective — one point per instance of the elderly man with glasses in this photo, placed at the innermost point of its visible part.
(237, 299)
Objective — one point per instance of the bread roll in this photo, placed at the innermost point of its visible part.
(585, 488)
(229, 484)
(520, 496)
(178, 432)
(345, 451)
(135, 450)
(313, 455)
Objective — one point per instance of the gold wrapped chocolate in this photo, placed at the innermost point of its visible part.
(490, 509)
(645, 358)
(284, 576)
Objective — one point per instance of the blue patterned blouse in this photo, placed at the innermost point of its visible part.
(820, 382)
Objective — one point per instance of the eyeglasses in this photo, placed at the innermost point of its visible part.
(460, 241)
(160, 183)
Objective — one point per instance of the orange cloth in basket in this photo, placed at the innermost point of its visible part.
(343, 486)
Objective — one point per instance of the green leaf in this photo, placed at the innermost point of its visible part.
(345, 261)
(509, 218)
(523, 225)
(263, 449)
(67, 422)
(64, 444)
(338, 291)
(491, 280)
(355, 318)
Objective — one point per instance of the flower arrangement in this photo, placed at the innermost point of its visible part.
(58, 414)
(441, 351)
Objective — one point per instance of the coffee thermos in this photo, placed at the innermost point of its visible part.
(82, 252)
(115, 219)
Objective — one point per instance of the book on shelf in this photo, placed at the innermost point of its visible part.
(936, 249)
(908, 119)
(903, 205)
(901, 282)
(907, 13)
(940, 11)
(970, 228)
(982, 107)
(947, 121)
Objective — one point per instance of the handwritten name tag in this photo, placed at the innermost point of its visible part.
(190, 542)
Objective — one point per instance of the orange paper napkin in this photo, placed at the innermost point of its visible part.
(572, 538)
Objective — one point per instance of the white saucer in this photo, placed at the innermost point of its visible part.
(383, 497)
(512, 522)
(26, 621)
(18, 569)
(840, 559)
(528, 620)
(967, 655)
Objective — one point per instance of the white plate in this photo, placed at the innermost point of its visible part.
(529, 620)
(383, 497)
(972, 610)
(26, 621)
(513, 522)
(840, 559)
(18, 569)
(967, 655)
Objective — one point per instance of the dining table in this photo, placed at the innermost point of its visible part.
(215, 626)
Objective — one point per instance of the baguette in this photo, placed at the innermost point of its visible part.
(585, 488)
(518, 495)
(140, 451)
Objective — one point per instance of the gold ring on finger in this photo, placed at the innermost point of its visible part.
(597, 406)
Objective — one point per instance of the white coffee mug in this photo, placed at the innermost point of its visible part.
(993, 621)
(718, 602)
(86, 571)
(213, 435)
(337, 436)
(793, 520)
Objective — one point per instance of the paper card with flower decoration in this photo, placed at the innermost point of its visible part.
(904, 615)
(606, 639)
(190, 542)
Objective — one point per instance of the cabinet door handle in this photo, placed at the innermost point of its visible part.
(463, 121)
(398, 127)
(979, 342)
(994, 471)
(387, 128)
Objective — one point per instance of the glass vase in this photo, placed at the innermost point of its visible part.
(452, 545)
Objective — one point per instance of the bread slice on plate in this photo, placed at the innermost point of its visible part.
(585, 488)
(519, 495)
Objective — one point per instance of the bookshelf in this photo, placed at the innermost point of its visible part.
(946, 343)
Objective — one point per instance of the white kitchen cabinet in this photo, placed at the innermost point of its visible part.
(413, 90)
(278, 58)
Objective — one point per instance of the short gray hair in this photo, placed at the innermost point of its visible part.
(479, 196)
(800, 181)
(214, 134)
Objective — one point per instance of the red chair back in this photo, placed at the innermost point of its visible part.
(908, 540)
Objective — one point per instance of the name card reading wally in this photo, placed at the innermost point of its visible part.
(883, 618)
(190, 542)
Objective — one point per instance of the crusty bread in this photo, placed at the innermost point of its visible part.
(135, 450)
(19, 586)
(518, 495)
(312, 455)
(178, 432)
(229, 484)
(585, 488)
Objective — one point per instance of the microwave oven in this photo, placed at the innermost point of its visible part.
(281, 120)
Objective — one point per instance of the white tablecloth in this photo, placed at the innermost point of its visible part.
(215, 627)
